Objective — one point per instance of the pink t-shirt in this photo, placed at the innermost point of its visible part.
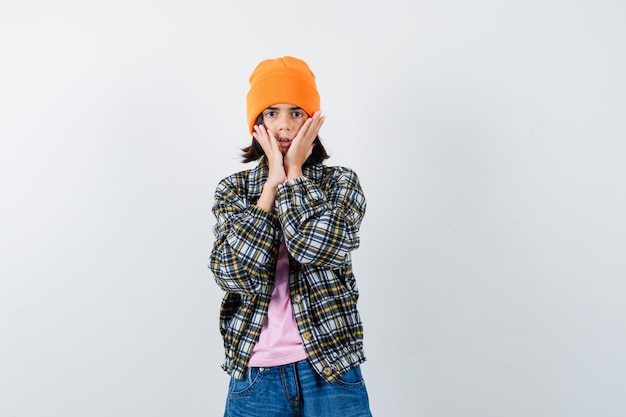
(279, 342)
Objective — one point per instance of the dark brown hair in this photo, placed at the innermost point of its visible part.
(255, 151)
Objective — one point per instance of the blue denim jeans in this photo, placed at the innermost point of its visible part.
(295, 390)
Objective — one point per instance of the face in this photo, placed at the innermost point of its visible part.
(285, 121)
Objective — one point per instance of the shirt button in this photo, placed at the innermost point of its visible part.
(306, 335)
(297, 298)
(327, 371)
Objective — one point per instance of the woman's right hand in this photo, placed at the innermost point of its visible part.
(268, 142)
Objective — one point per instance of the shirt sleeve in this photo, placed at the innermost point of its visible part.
(246, 237)
(321, 222)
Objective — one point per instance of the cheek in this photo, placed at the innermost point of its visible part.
(268, 124)
(301, 123)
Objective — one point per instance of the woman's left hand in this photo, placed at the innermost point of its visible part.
(302, 145)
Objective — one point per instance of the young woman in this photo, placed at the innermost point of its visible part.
(284, 232)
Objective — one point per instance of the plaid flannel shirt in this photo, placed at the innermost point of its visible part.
(318, 216)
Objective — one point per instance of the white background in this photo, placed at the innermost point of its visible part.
(489, 137)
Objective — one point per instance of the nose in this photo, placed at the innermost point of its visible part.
(284, 123)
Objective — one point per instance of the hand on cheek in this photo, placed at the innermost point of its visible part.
(302, 145)
(272, 153)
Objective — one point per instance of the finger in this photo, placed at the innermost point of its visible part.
(266, 140)
(315, 123)
(267, 137)
(307, 132)
(270, 134)
(305, 128)
(310, 152)
(262, 131)
(318, 120)
(259, 133)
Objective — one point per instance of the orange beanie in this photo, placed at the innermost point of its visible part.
(285, 80)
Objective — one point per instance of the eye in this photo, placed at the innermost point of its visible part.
(297, 114)
(269, 113)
